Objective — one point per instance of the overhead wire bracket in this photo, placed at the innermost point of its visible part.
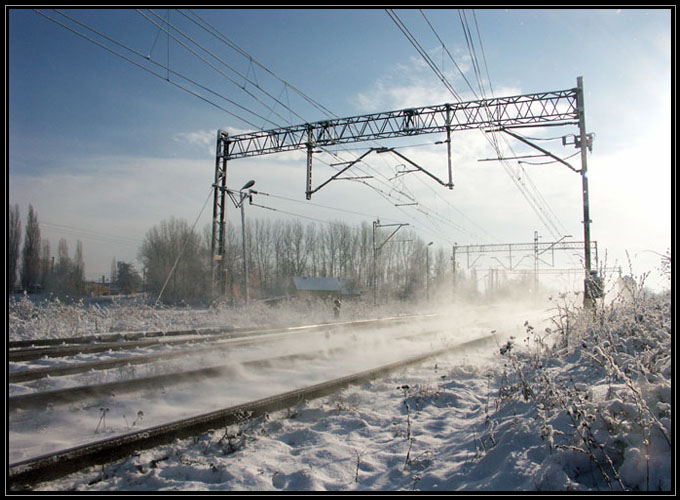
(418, 167)
(350, 164)
(544, 151)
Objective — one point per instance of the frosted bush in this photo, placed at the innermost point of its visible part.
(600, 390)
(30, 319)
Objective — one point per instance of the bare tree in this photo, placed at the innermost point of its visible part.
(262, 254)
(30, 257)
(13, 244)
(45, 264)
(175, 261)
(66, 280)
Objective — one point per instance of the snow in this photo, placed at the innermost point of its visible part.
(580, 402)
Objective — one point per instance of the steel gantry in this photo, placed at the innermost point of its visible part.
(563, 107)
(516, 253)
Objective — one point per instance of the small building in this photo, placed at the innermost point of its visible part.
(323, 287)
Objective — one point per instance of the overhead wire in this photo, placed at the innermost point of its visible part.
(382, 193)
(251, 59)
(287, 84)
(409, 36)
(446, 50)
(89, 235)
(238, 49)
(531, 194)
(206, 61)
(245, 54)
(492, 139)
(122, 56)
(255, 84)
(543, 204)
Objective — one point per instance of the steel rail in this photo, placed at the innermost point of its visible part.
(29, 354)
(73, 394)
(22, 475)
(117, 337)
(81, 367)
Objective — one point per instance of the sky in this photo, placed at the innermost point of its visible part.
(112, 134)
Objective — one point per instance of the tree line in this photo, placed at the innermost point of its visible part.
(34, 269)
(176, 260)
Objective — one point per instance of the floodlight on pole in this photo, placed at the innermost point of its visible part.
(242, 197)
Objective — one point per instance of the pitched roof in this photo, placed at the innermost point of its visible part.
(319, 284)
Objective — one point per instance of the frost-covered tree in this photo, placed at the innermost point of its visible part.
(67, 278)
(13, 244)
(45, 264)
(175, 261)
(30, 256)
(127, 278)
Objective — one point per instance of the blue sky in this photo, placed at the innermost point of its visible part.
(104, 150)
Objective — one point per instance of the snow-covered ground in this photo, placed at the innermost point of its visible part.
(582, 402)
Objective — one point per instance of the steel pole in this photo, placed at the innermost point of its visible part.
(583, 139)
(245, 254)
(217, 243)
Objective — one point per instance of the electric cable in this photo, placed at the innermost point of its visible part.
(184, 77)
(212, 66)
(181, 87)
(287, 84)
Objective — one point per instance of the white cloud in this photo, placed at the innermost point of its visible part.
(203, 139)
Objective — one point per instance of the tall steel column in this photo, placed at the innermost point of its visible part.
(585, 142)
(553, 108)
(219, 213)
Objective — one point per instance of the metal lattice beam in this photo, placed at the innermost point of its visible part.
(562, 107)
(542, 108)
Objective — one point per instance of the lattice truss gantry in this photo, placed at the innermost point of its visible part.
(563, 107)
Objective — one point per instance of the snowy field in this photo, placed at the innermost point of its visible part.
(576, 402)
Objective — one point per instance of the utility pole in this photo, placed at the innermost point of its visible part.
(242, 198)
(535, 263)
(376, 249)
(590, 289)
(427, 267)
(453, 268)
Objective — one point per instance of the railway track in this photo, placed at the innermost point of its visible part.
(330, 351)
(73, 394)
(51, 466)
(57, 348)
(215, 344)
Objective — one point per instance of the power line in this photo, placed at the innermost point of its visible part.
(385, 181)
(536, 200)
(211, 65)
(422, 52)
(90, 235)
(238, 49)
(181, 87)
(229, 43)
(448, 53)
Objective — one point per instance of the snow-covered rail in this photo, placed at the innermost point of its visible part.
(54, 348)
(38, 400)
(54, 465)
